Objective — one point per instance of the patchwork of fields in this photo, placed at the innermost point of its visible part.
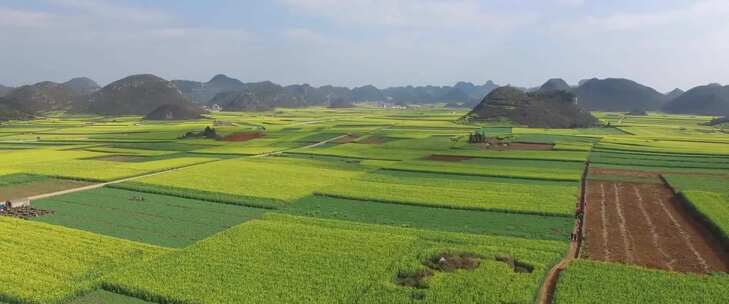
(363, 205)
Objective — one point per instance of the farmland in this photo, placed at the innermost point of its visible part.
(363, 205)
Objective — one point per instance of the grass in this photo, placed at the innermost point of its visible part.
(158, 219)
(50, 264)
(604, 283)
(466, 221)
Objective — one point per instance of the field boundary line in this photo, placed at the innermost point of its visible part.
(572, 180)
(439, 206)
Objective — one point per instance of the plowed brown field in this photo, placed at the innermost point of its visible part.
(645, 224)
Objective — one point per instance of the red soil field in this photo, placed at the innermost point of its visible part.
(448, 158)
(645, 224)
(242, 136)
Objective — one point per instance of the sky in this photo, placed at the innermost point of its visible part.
(661, 43)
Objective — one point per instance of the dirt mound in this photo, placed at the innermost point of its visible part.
(243, 136)
(516, 265)
(446, 261)
(417, 279)
(452, 261)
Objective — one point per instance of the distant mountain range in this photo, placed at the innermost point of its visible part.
(40, 97)
(141, 94)
(235, 95)
(4, 90)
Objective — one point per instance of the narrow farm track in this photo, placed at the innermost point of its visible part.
(546, 292)
(99, 185)
(645, 224)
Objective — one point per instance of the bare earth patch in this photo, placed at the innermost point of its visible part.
(242, 136)
(347, 139)
(645, 224)
(372, 140)
(40, 187)
(448, 158)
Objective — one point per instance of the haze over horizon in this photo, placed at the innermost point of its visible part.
(663, 44)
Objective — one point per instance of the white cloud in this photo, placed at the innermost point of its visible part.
(703, 12)
(110, 11)
(418, 14)
(20, 18)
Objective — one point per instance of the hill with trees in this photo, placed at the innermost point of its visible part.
(710, 99)
(554, 84)
(555, 109)
(135, 95)
(175, 112)
(618, 95)
(40, 97)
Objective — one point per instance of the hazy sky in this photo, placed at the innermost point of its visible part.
(661, 43)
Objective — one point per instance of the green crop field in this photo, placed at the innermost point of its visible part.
(455, 220)
(143, 217)
(44, 263)
(350, 205)
(311, 254)
(595, 282)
